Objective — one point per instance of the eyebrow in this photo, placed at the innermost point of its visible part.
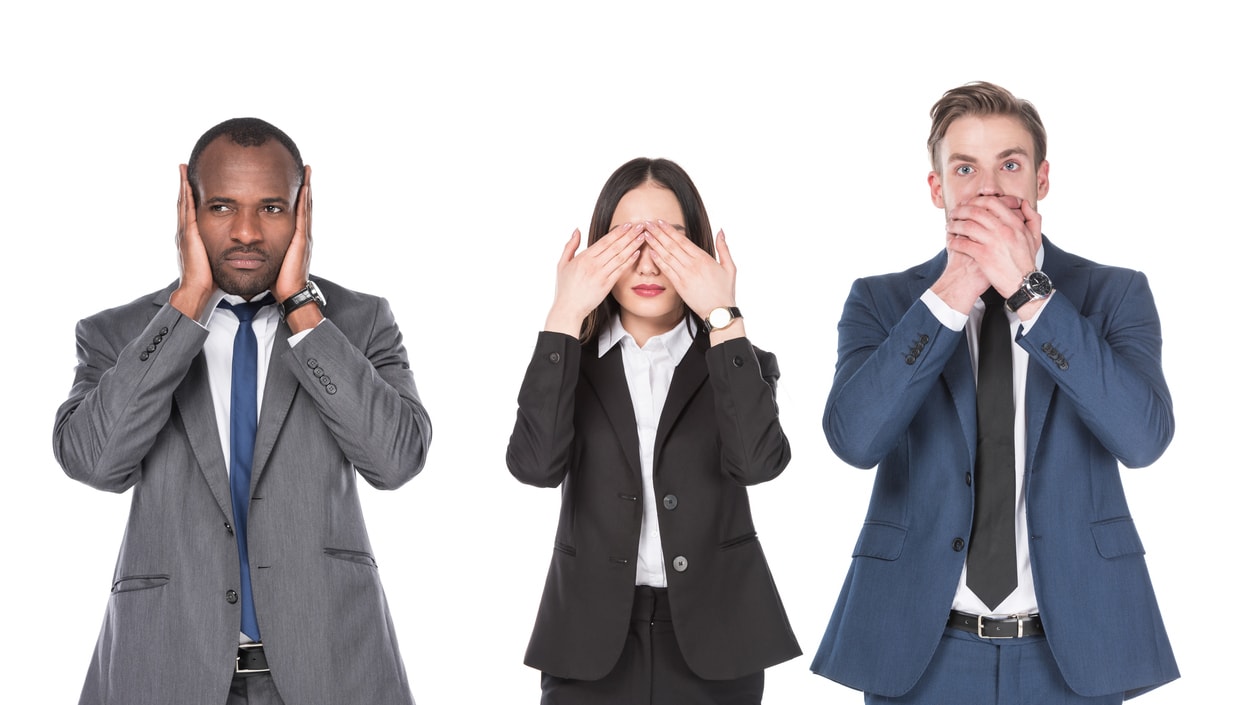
(231, 201)
(959, 157)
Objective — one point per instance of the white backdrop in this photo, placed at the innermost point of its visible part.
(456, 145)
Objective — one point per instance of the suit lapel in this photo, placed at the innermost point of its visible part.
(200, 423)
(690, 374)
(1068, 275)
(609, 384)
(276, 400)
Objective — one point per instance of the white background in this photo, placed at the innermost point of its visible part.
(456, 145)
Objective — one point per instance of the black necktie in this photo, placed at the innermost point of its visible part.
(243, 438)
(992, 572)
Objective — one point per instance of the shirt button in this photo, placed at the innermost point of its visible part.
(232, 597)
(958, 544)
(670, 501)
(680, 563)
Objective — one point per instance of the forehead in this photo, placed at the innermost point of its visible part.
(648, 201)
(230, 170)
(985, 136)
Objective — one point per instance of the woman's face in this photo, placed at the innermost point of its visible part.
(650, 305)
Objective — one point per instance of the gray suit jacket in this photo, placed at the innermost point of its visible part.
(140, 416)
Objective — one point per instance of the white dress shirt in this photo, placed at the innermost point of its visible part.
(649, 371)
(1023, 599)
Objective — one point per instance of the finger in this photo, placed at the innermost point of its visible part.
(621, 240)
(724, 254)
(671, 242)
(1031, 218)
(568, 250)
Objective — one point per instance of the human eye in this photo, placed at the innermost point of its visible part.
(965, 170)
(272, 209)
(1012, 166)
(218, 208)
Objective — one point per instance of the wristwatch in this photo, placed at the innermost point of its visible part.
(720, 318)
(1036, 285)
(311, 292)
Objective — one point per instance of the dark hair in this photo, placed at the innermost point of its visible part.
(245, 132)
(634, 173)
(983, 98)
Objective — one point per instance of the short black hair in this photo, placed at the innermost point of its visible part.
(246, 132)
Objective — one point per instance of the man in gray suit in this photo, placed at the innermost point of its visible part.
(245, 574)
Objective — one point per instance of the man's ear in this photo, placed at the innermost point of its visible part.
(936, 187)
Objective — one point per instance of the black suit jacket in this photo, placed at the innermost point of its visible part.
(719, 431)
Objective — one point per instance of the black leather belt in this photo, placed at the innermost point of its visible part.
(251, 659)
(997, 628)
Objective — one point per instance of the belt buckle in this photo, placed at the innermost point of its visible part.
(249, 647)
(979, 627)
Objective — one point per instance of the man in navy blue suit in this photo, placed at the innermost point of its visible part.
(998, 562)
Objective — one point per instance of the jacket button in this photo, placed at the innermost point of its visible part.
(738, 361)
(968, 479)
(680, 563)
(312, 362)
(330, 389)
(555, 357)
(164, 330)
(229, 530)
(151, 348)
(910, 359)
(232, 596)
(923, 339)
(143, 356)
(318, 372)
(324, 379)
(670, 501)
(156, 340)
(958, 544)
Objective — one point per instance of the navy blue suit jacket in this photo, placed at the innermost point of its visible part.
(904, 399)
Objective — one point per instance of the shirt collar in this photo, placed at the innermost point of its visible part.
(675, 342)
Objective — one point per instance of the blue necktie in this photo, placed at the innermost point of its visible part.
(243, 437)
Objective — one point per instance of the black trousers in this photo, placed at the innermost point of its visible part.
(651, 670)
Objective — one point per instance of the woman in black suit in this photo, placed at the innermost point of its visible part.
(647, 404)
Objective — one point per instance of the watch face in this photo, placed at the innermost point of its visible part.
(1039, 284)
(316, 292)
(720, 318)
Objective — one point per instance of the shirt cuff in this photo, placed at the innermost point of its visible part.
(951, 319)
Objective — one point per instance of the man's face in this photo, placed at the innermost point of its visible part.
(989, 155)
(246, 213)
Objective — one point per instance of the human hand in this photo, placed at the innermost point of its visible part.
(585, 279)
(703, 282)
(1001, 234)
(294, 272)
(196, 284)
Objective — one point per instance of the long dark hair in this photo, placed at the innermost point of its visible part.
(634, 173)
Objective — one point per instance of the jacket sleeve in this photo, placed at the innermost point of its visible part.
(367, 398)
(1109, 363)
(122, 395)
(754, 447)
(887, 363)
(541, 448)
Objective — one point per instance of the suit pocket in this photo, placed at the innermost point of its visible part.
(344, 554)
(739, 541)
(882, 541)
(1117, 537)
(131, 583)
